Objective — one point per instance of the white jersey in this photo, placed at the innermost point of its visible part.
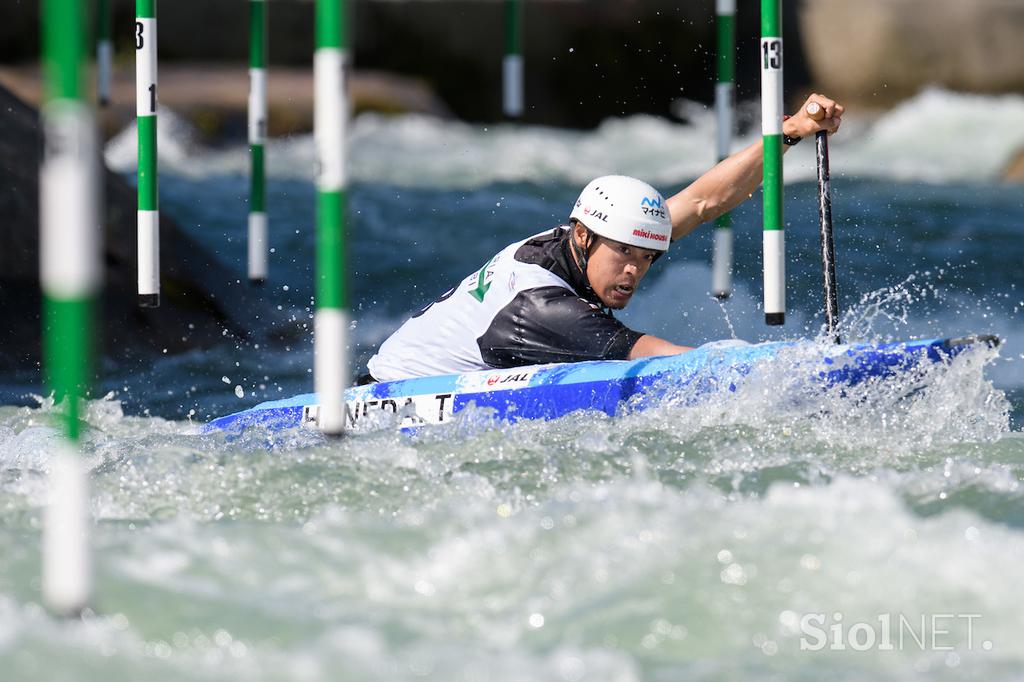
(517, 309)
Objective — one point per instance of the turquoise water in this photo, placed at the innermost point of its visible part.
(685, 542)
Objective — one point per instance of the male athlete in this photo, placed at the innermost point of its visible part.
(549, 298)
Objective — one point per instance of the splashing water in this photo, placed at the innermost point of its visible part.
(725, 316)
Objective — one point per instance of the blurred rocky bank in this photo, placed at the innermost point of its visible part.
(202, 301)
(877, 52)
(874, 53)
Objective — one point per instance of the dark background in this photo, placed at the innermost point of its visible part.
(585, 60)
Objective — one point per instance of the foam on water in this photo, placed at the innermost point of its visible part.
(937, 136)
(627, 578)
(940, 136)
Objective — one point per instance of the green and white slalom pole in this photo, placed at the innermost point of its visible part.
(771, 130)
(258, 240)
(70, 276)
(145, 111)
(512, 67)
(104, 52)
(331, 319)
(725, 61)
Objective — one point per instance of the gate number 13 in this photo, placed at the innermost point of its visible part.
(771, 52)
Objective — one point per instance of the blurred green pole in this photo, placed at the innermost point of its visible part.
(331, 319)
(258, 230)
(104, 52)
(512, 67)
(725, 59)
(771, 130)
(70, 277)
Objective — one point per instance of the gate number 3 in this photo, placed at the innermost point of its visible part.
(139, 43)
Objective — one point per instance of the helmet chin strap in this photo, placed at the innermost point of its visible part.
(582, 254)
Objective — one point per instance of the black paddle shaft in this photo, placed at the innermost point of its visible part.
(828, 250)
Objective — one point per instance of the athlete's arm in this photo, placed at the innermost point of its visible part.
(734, 179)
(647, 346)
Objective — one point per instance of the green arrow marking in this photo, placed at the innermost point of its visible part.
(481, 287)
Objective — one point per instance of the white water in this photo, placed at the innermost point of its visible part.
(677, 542)
(684, 542)
(938, 136)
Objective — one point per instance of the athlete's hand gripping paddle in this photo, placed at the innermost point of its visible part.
(828, 252)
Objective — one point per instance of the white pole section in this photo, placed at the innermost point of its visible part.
(104, 52)
(67, 553)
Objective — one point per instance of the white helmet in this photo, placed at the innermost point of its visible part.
(627, 210)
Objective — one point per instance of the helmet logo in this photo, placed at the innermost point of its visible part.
(652, 207)
(646, 234)
(593, 213)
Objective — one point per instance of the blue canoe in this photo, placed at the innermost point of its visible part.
(552, 391)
